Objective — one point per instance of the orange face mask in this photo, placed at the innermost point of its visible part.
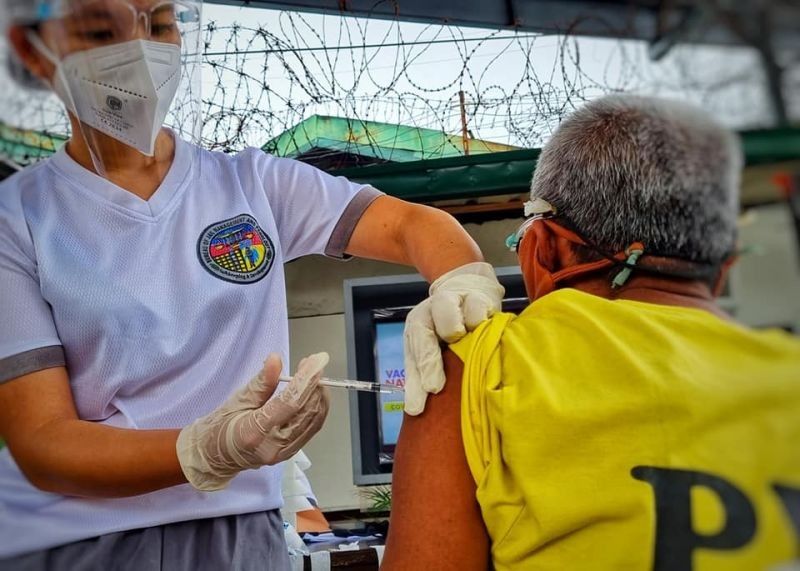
(538, 253)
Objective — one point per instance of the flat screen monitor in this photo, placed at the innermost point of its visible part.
(390, 371)
(375, 312)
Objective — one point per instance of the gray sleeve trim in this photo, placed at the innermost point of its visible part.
(343, 231)
(31, 362)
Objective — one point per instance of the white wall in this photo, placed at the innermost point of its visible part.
(767, 291)
(331, 472)
(768, 278)
(314, 284)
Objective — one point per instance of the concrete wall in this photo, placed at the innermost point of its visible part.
(768, 278)
(766, 288)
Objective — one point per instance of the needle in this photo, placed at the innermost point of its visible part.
(353, 385)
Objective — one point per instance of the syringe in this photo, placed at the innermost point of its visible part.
(365, 386)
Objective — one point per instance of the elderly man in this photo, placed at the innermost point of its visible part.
(622, 421)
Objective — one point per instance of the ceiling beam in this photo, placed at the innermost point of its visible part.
(632, 19)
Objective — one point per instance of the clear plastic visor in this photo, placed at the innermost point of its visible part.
(124, 70)
(87, 24)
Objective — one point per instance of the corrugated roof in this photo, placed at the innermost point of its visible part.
(383, 142)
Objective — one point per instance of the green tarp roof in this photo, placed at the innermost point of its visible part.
(383, 141)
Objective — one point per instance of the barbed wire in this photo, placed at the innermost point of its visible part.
(263, 78)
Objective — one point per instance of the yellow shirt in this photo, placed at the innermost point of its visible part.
(625, 435)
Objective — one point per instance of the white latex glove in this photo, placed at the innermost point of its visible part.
(459, 301)
(253, 428)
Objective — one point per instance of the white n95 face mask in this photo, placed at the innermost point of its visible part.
(122, 90)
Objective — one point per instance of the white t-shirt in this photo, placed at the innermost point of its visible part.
(160, 308)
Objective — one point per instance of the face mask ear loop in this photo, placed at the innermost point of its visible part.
(42, 48)
(634, 252)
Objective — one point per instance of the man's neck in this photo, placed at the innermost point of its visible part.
(661, 291)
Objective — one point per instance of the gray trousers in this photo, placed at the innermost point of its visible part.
(239, 542)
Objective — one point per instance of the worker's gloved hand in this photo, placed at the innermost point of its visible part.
(459, 301)
(255, 427)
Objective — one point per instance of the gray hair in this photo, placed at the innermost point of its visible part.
(627, 169)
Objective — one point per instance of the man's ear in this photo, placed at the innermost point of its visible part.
(35, 63)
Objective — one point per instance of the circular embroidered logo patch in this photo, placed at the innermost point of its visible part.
(236, 250)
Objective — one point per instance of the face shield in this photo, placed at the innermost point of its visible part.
(124, 70)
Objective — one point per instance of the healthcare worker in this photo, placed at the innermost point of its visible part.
(143, 285)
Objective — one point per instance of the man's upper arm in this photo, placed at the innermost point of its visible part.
(436, 520)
